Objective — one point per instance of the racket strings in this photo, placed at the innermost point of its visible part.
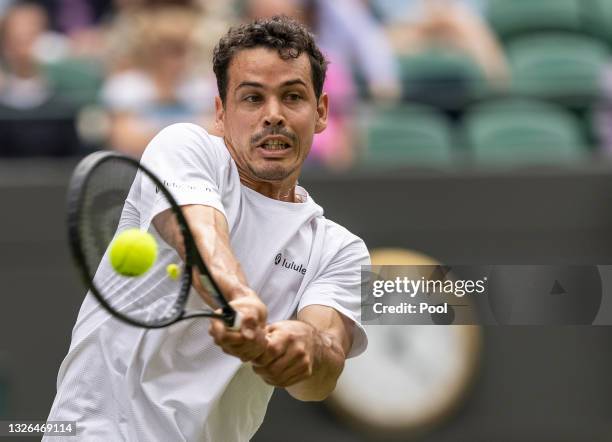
(116, 197)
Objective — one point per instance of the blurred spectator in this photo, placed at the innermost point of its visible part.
(213, 17)
(352, 41)
(31, 122)
(347, 33)
(450, 24)
(72, 16)
(334, 147)
(159, 86)
(23, 84)
(216, 18)
(68, 16)
(411, 11)
(87, 23)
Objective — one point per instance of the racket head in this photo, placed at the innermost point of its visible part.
(102, 198)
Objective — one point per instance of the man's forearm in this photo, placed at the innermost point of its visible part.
(327, 367)
(213, 242)
(211, 235)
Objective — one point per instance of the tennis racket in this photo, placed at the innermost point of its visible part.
(109, 193)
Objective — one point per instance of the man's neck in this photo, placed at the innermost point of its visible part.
(282, 192)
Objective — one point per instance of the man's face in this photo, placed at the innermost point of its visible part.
(270, 115)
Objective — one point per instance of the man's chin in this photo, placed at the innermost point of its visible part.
(272, 172)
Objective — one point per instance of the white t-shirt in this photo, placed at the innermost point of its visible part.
(174, 384)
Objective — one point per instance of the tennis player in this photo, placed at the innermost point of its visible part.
(293, 275)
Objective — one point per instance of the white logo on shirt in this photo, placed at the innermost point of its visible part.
(183, 186)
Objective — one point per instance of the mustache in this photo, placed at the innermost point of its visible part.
(255, 139)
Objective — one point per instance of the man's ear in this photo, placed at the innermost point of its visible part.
(322, 110)
(219, 114)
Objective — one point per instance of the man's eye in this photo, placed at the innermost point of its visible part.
(294, 97)
(251, 98)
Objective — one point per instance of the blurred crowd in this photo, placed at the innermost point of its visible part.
(78, 75)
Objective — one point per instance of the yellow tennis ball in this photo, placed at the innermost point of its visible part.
(173, 271)
(133, 252)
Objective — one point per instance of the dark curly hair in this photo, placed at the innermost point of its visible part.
(287, 36)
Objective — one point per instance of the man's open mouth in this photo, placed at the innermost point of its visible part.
(274, 145)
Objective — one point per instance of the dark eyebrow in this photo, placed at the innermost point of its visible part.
(293, 82)
(249, 84)
(259, 85)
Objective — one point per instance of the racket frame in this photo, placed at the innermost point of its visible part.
(75, 201)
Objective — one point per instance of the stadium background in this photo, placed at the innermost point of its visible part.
(476, 132)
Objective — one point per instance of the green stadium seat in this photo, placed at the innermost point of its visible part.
(597, 18)
(557, 66)
(514, 17)
(519, 131)
(445, 79)
(414, 135)
(76, 80)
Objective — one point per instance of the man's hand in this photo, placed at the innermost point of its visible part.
(211, 234)
(250, 341)
(290, 354)
(306, 356)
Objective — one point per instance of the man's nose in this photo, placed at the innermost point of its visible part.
(274, 115)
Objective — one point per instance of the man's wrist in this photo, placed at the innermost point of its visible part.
(241, 291)
(320, 343)
(231, 285)
(327, 363)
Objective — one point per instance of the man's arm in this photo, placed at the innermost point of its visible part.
(211, 234)
(306, 356)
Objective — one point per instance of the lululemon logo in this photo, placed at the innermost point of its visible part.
(291, 265)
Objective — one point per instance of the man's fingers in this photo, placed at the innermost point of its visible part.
(269, 370)
(271, 327)
(232, 342)
(249, 327)
(275, 349)
(246, 352)
(233, 339)
(281, 365)
(248, 333)
(215, 329)
(280, 368)
(237, 342)
(284, 378)
(253, 313)
(222, 334)
(293, 380)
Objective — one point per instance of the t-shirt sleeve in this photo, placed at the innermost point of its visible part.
(339, 286)
(188, 162)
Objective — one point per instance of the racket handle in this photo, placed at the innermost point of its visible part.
(236, 323)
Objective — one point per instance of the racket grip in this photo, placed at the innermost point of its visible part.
(236, 323)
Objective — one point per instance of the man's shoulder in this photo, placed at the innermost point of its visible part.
(191, 132)
(338, 238)
(181, 138)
